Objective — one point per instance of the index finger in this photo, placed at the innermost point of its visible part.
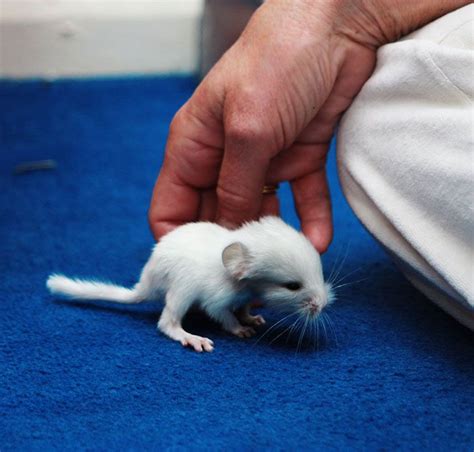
(173, 202)
(190, 166)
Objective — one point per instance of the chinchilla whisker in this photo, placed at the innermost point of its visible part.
(274, 326)
(328, 279)
(303, 329)
(344, 277)
(335, 265)
(317, 335)
(331, 326)
(350, 283)
(324, 329)
(339, 269)
(295, 323)
(314, 333)
(341, 265)
(282, 333)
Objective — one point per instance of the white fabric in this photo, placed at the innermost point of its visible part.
(406, 158)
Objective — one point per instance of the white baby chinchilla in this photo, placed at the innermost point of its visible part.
(220, 270)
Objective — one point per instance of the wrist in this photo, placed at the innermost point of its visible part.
(373, 23)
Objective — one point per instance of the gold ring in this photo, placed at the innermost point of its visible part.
(270, 189)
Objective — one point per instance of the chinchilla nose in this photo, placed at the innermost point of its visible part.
(313, 306)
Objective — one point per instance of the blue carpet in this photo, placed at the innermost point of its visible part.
(399, 376)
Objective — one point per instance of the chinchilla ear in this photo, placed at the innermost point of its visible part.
(236, 259)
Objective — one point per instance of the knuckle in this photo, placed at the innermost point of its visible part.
(312, 199)
(244, 132)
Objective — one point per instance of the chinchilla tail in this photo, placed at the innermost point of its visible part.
(93, 290)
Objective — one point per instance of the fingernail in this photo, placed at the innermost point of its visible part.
(226, 224)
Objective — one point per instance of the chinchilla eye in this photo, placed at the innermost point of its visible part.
(292, 285)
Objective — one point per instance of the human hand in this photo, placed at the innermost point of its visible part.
(266, 113)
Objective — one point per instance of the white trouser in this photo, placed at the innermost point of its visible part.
(406, 158)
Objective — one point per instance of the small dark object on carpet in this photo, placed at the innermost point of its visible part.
(36, 165)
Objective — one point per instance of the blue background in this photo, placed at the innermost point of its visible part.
(72, 376)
